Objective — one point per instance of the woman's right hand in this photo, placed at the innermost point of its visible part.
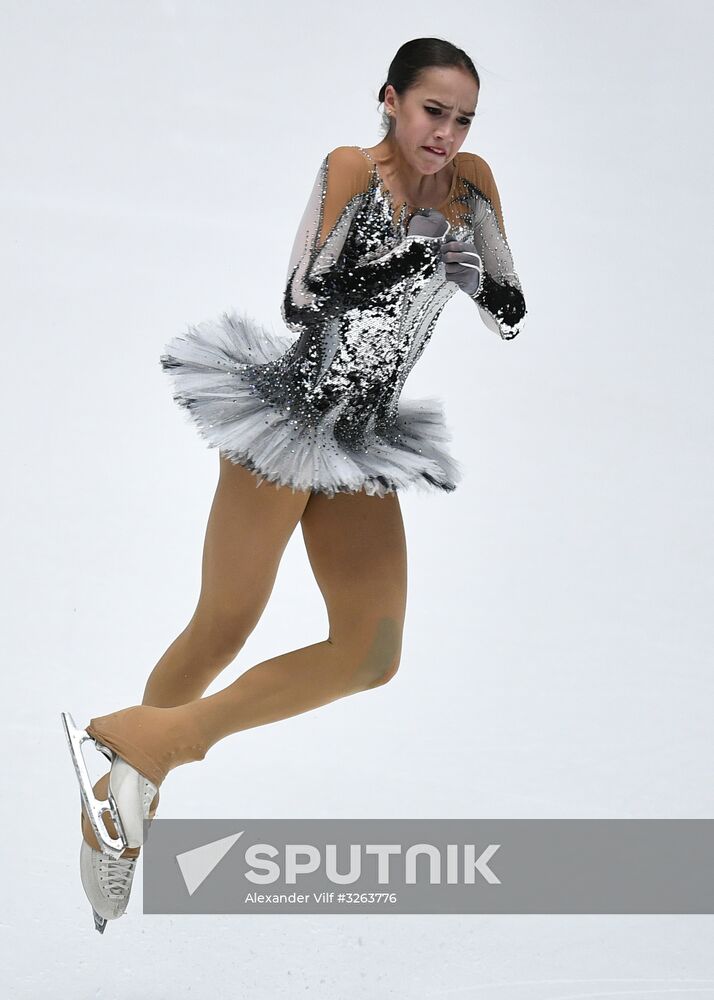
(427, 223)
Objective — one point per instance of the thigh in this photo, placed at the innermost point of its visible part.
(248, 528)
(357, 550)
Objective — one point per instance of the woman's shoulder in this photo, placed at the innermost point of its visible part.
(478, 172)
(347, 173)
(476, 169)
(350, 154)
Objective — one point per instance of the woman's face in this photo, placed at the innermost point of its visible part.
(420, 121)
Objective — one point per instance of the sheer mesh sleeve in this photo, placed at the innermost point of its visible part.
(325, 276)
(500, 298)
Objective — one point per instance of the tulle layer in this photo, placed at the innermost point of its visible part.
(207, 369)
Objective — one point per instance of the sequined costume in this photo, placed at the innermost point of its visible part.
(319, 407)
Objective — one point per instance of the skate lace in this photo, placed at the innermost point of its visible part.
(116, 873)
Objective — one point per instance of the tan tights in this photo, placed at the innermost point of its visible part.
(357, 551)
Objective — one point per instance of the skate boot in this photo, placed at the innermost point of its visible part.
(107, 883)
(106, 880)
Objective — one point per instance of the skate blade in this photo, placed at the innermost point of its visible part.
(99, 922)
(94, 808)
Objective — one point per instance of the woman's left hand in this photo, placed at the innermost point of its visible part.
(462, 263)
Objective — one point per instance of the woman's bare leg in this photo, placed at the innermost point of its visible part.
(357, 550)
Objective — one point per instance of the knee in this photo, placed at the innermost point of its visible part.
(386, 672)
(379, 663)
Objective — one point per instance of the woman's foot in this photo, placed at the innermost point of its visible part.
(152, 740)
(117, 818)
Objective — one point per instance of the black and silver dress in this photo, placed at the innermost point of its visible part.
(319, 405)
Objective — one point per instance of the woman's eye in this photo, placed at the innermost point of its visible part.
(437, 111)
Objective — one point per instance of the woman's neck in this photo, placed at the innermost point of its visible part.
(405, 182)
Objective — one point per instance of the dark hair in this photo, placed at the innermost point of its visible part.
(413, 58)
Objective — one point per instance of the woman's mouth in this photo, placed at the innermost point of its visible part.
(435, 150)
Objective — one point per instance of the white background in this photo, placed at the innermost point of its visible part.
(557, 657)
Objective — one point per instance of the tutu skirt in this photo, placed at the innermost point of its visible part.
(212, 367)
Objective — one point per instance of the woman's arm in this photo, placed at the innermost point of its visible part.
(500, 297)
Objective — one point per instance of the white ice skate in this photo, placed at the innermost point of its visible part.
(106, 877)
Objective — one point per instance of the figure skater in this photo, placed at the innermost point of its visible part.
(388, 236)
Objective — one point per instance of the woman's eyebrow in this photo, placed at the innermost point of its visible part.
(470, 114)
